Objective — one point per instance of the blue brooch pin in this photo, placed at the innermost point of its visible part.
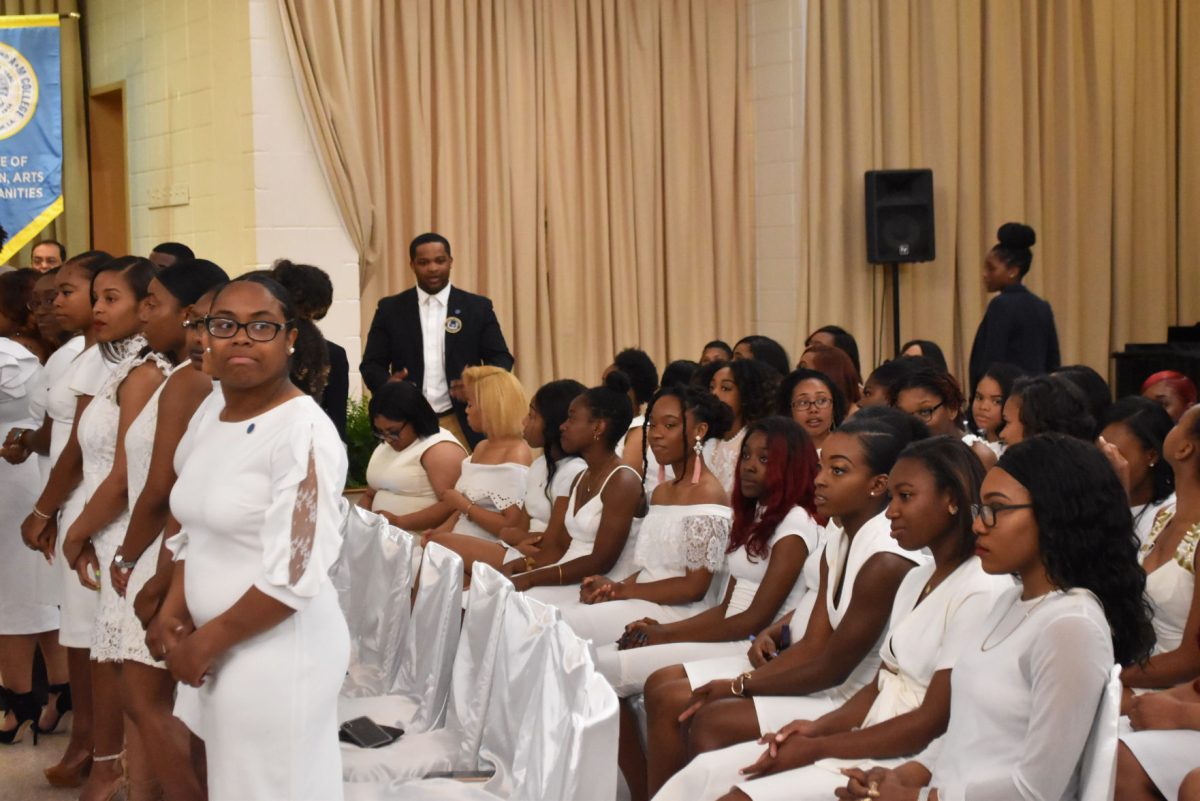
(250, 428)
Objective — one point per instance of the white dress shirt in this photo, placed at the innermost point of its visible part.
(434, 386)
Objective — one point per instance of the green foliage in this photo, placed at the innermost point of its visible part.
(360, 442)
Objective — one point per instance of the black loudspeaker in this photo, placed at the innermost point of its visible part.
(899, 216)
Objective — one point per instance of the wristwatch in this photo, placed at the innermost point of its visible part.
(122, 563)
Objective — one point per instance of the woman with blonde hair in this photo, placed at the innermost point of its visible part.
(491, 489)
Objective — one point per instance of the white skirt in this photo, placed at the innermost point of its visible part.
(23, 573)
(628, 670)
(1167, 756)
(79, 604)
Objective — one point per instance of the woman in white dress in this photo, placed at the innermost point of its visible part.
(251, 617)
(593, 527)
(986, 418)
(416, 462)
(814, 401)
(1137, 427)
(681, 542)
(749, 388)
(933, 396)
(642, 375)
(488, 496)
(1025, 690)
(91, 542)
(62, 499)
(147, 687)
(839, 651)
(1161, 756)
(939, 605)
(1169, 559)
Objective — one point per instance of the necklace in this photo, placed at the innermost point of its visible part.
(984, 645)
(587, 485)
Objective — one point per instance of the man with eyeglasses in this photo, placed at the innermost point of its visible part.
(47, 255)
(429, 333)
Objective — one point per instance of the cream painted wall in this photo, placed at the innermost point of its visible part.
(212, 113)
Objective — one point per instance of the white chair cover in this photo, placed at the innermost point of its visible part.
(416, 701)
(373, 577)
(455, 746)
(1098, 767)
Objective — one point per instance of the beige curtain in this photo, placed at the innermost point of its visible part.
(73, 226)
(1065, 115)
(589, 161)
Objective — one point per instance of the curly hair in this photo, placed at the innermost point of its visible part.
(791, 469)
(641, 371)
(957, 470)
(792, 379)
(310, 287)
(552, 401)
(757, 384)
(1085, 532)
(703, 405)
(1051, 403)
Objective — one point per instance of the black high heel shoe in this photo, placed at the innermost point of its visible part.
(25, 709)
(62, 705)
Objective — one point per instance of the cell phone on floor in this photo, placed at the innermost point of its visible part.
(366, 733)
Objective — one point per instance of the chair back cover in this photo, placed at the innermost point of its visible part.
(432, 637)
(521, 675)
(1098, 766)
(476, 658)
(373, 578)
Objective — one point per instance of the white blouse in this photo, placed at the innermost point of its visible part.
(1023, 697)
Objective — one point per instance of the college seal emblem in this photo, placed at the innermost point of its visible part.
(18, 91)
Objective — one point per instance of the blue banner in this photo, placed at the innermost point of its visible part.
(30, 128)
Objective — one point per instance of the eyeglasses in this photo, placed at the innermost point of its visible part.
(256, 330)
(389, 436)
(35, 303)
(927, 413)
(190, 324)
(804, 404)
(987, 512)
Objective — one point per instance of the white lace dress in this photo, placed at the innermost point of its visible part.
(672, 540)
(22, 571)
(260, 505)
(98, 428)
(722, 457)
(139, 447)
(493, 487)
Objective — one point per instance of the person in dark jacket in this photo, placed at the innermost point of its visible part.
(1018, 326)
(462, 331)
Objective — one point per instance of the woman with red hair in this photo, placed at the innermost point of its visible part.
(1174, 391)
(835, 363)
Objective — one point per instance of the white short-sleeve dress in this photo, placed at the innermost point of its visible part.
(23, 572)
(260, 503)
(671, 541)
(924, 636)
(628, 670)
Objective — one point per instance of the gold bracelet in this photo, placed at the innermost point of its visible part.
(530, 563)
(560, 578)
(467, 513)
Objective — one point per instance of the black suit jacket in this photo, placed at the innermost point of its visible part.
(1017, 328)
(395, 342)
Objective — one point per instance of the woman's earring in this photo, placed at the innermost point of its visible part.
(953, 509)
(698, 448)
(291, 351)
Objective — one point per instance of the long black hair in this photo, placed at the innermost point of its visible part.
(957, 470)
(552, 401)
(1085, 532)
(1149, 423)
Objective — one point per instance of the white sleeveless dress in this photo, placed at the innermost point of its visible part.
(139, 448)
(98, 429)
(399, 479)
(923, 637)
(23, 572)
(86, 377)
(628, 670)
(672, 540)
(1171, 586)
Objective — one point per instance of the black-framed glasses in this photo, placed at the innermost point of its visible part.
(256, 330)
(198, 323)
(926, 414)
(987, 511)
(804, 404)
(388, 436)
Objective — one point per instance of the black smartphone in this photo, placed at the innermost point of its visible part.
(366, 733)
(785, 639)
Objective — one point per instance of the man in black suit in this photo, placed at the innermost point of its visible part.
(428, 334)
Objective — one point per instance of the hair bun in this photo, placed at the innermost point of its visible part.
(1016, 236)
(617, 381)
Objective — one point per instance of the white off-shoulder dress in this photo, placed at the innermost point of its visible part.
(924, 636)
(628, 670)
(671, 541)
(259, 502)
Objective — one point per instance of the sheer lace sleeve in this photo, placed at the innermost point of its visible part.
(1068, 668)
(704, 541)
(301, 533)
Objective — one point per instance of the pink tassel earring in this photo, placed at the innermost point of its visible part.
(699, 460)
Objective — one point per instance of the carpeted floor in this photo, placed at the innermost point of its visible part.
(21, 766)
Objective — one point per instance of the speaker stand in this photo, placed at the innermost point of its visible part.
(896, 308)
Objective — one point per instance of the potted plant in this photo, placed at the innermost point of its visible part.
(360, 444)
